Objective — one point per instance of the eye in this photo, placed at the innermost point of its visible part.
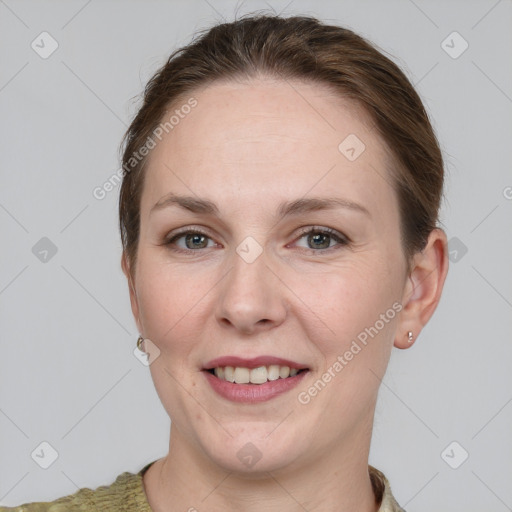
(190, 240)
(322, 239)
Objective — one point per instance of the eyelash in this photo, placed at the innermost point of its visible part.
(335, 235)
(180, 234)
(341, 239)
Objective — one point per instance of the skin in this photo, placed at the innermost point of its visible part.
(247, 147)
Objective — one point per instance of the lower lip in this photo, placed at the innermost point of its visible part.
(251, 393)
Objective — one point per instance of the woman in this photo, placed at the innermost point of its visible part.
(278, 215)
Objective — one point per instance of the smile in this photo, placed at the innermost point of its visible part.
(259, 375)
(253, 380)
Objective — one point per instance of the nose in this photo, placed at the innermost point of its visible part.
(251, 296)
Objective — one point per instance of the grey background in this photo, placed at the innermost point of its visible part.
(68, 375)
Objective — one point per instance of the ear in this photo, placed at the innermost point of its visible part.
(133, 294)
(423, 289)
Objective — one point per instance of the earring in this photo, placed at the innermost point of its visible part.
(409, 336)
(139, 343)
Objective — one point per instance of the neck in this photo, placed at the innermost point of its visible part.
(335, 480)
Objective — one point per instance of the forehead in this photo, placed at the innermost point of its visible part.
(278, 138)
(265, 110)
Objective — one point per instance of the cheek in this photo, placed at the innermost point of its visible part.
(352, 304)
(355, 307)
(169, 301)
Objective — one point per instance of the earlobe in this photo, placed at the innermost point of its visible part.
(423, 289)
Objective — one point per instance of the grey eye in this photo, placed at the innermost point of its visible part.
(319, 240)
(196, 241)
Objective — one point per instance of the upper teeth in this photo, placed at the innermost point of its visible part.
(260, 375)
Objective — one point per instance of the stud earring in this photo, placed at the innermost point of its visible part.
(409, 336)
(139, 343)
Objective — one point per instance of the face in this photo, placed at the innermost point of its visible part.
(271, 246)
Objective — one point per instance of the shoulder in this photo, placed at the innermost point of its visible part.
(126, 493)
(382, 490)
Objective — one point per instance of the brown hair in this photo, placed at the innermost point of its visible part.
(298, 48)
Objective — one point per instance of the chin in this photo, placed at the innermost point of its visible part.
(253, 454)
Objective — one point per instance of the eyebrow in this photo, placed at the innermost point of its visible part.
(193, 204)
(311, 204)
(296, 207)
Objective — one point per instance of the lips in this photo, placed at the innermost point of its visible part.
(253, 380)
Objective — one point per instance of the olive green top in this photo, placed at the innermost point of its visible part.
(127, 494)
